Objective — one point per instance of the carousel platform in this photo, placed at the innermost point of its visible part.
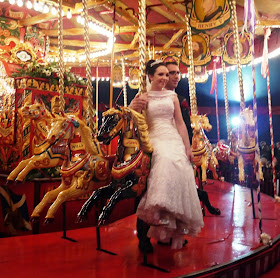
(228, 246)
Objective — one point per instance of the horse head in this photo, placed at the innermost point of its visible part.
(62, 128)
(34, 111)
(199, 122)
(112, 124)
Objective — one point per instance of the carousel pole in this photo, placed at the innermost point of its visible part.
(142, 45)
(192, 90)
(257, 152)
(112, 67)
(271, 132)
(97, 92)
(124, 84)
(237, 50)
(112, 64)
(251, 19)
(88, 69)
(60, 57)
(265, 74)
(226, 98)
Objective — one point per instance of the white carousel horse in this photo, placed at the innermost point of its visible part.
(201, 147)
(246, 144)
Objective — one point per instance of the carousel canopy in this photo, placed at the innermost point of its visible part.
(165, 25)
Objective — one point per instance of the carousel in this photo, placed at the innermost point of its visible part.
(75, 158)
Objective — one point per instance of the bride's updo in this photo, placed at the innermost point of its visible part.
(152, 65)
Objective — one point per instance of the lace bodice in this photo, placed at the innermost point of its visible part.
(160, 113)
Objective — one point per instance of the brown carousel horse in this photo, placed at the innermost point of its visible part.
(84, 167)
(42, 120)
(201, 147)
(132, 164)
(246, 144)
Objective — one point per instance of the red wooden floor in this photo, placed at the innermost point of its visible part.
(229, 242)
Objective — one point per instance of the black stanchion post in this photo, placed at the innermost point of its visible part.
(64, 236)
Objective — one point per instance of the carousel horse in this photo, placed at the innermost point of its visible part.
(224, 152)
(246, 144)
(43, 157)
(201, 147)
(84, 167)
(132, 164)
(41, 118)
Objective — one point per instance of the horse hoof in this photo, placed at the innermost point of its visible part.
(101, 222)
(8, 182)
(81, 218)
(34, 219)
(49, 221)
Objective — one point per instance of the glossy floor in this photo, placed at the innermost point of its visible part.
(226, 237)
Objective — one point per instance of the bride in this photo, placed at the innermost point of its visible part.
(170, 206)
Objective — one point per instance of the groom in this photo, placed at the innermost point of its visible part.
(139, 103)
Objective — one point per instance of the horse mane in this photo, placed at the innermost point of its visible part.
(141, 122)
(87, 137)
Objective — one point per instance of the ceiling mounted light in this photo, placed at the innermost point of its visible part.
(68, 15)
(29, 5)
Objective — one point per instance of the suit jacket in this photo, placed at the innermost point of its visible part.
(186, 115)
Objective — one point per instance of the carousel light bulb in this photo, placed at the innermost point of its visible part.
(79, 19)
(107, 78)
(2, 1)
(46, 9)
(40, 6)
(12, 2)
(29, 5)
(53, 10)
(36, 6)
(68, 15)
(20, 3)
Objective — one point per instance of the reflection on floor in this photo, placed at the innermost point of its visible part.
(231, 237)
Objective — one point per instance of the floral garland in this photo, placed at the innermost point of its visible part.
(50, 72)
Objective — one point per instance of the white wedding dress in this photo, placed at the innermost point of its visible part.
(170, 205)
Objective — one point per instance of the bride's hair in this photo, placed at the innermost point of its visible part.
(152, 65)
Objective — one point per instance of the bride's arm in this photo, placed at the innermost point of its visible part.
(181, 127)
(139, 102)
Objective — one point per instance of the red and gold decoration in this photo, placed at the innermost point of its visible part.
(200, 47)
(200, 74)
(134, 78)
(9, 151)
(209, 14)
(229, 55)
(117, 76)
(170, 58)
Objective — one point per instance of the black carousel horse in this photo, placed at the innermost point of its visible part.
(132, 163)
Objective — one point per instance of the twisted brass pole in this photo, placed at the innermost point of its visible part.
(192, 90)
(142, 45)
(88, 68)
(226, 98)
(60, 58)
(237, 51)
